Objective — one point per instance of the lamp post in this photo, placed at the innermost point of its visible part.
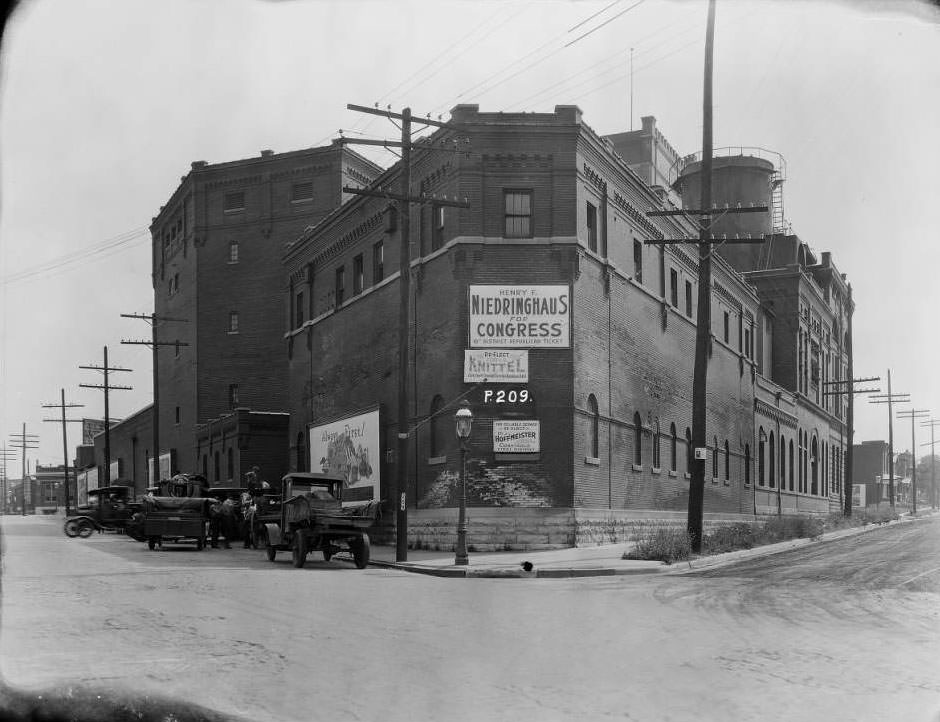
(464, 420)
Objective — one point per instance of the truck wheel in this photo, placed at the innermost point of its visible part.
(85, 529)
(151, 543)
(299, 551)
(71, 528)
(360, 550)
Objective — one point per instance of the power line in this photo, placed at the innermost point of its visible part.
(82, 256)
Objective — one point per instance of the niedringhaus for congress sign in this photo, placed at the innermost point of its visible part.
(520, 316)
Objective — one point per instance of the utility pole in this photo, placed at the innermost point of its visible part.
(839, 390)
(107, 418)
(933, 471)
(155, 344)
(405, 199)
(24, 441)
(913, 414)
(5, 455)
(703, 317)
(65, 443)
(890, 399)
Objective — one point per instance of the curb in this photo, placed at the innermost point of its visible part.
(485, 573)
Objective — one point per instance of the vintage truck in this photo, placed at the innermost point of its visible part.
(311, 516)
(174, 519)
(109, 508)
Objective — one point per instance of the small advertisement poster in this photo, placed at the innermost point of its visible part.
(520, 316)
(497, 367)
(515, 437)
(858, 496)
(349, 448)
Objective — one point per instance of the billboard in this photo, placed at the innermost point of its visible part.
(90, 429)
(515, 437)
(520, 316)
(349, 448)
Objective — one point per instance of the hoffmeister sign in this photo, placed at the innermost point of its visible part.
(495, 366)
(515, 437)
(520, 316)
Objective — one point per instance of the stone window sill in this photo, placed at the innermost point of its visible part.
(672, 474)
(637, 467)
(437, 460)
(592, 460)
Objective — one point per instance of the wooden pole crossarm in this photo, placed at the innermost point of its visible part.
(399, 116)
(407, 199)
(712, 211)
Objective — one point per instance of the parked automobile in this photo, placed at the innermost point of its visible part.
(312, 517)
(109, 508)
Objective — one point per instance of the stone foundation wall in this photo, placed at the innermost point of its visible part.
(515, 529)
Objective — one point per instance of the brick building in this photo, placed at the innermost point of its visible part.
(217, 244)
(557, 215)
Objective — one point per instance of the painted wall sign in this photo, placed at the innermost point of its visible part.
(497, 367)
(350, 448)
(520, 316)
(515, 437)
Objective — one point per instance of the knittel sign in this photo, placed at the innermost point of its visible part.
(515, 437)
(520, 316)
(498, 367)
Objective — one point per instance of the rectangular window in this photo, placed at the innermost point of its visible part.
(638, 261)
(340, 285)
(177, 414)
(232, 395)
(233, 252)
(300, 192)
(357, 275)
(299, 310)
(437, 227)
(688, 299)
(518, 214)
(233, 322)
(378, 262)
(592, 226)
(674, 287)
(747, 343)
(727, 328)
(176, 283)
(177, 347)
(233, 201)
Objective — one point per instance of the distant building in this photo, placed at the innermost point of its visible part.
(217, 245)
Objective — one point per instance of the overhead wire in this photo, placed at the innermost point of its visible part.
(102, 248)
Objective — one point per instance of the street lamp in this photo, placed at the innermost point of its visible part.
(464, 420)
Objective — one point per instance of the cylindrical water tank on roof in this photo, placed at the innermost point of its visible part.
(736, 179)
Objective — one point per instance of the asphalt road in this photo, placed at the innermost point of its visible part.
(832, 631)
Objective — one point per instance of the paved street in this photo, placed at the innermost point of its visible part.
(847, 629)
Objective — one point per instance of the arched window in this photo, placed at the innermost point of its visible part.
(672, 447)
(637, 440)
(657, 438)
(771, 462)
(218, 466)
(593, 445)
(300, 453)
(715, 459)
(689, 455)
(790, 463)
(437, 442)
(747, 463)
(814, 466)
(783, 462)
(727, 461)
(231, 463)
(761, 436)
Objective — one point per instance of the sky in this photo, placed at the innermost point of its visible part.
(104, 105)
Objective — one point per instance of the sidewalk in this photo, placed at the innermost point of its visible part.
(597, 561)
